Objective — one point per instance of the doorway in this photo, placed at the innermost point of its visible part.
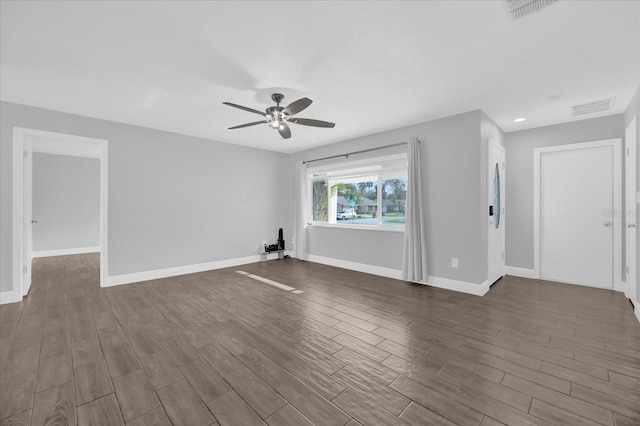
(631, 210)
(577, 220)
(496, 202)
(25, 143)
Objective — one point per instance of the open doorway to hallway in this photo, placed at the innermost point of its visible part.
(57, 176)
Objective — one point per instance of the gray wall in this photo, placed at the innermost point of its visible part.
(519, 173)
(633, 110)
(174, 200)
(66, 202)
(451, 157)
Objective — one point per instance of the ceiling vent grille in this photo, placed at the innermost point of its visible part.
(521, 8)
(592, 107)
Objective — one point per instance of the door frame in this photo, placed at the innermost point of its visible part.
(631, 209)
(503, 185)
(25, 143)
(616, 214)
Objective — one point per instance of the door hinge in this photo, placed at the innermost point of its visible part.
(627, 149)
(24, 269)
(627, 270)
(25, 153)
(502, 255)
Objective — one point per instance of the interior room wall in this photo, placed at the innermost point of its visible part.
(174, 200)
(519, 173)
(66, 202)
(451, 161)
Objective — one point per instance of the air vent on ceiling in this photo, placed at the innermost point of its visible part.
(520, 8)
(592, 107)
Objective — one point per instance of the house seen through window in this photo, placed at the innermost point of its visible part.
(372, 193)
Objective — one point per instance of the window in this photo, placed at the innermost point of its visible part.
(367, 193)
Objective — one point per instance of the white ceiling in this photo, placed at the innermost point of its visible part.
(368, 66)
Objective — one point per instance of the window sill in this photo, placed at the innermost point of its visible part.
(358, 227)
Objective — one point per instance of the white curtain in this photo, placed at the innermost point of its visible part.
(414, 256)
(300, 211)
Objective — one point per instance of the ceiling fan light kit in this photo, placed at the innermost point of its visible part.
(277, 117)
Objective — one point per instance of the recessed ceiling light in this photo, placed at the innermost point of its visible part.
(519, 120)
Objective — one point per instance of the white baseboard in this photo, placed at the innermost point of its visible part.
(444, 283)
(461, 286)
(355, 266)
(9, 297)
(620, 286)
(521, 272)
(182, 270)
(65, 252)
(530, 273)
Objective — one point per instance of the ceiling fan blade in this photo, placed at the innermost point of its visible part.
(249, 124)
(311, 122)
(245, 108)
(297, 106)
(284, 131)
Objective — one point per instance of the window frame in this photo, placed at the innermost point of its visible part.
(381, 167)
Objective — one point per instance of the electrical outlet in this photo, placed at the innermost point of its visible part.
(454, 262)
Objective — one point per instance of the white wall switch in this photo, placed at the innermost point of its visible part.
(454, 262)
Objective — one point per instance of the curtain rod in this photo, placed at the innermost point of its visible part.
(356, 152)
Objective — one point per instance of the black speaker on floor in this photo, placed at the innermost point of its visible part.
(280, 240)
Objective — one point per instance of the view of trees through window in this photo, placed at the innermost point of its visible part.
(370, 200)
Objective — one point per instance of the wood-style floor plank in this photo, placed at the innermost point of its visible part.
(135, 395)
(92, 381)
(55, 406)
(102, 411)
(183, 406)
(230, 409)
(222, 348)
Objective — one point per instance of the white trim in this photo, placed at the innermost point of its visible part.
(65, 252)
(636, 310)
(9, 297)
(444, 283)
(178, 270)
(617, 202)
(376, 228)
(31, 140)
(355, 266)
(62, 144)
(631, 209)
(520, 272)
(18, 170)
(461, 286)
(104, 213)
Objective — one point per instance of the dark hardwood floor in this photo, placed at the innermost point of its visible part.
(224, 348)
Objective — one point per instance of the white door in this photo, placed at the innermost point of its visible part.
(576, 216)
(631, 210)
(496, 212)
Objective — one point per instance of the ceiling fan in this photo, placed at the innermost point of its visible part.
(277, 117)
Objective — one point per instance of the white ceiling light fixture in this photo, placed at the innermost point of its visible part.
(517, 9)
(519, 120)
